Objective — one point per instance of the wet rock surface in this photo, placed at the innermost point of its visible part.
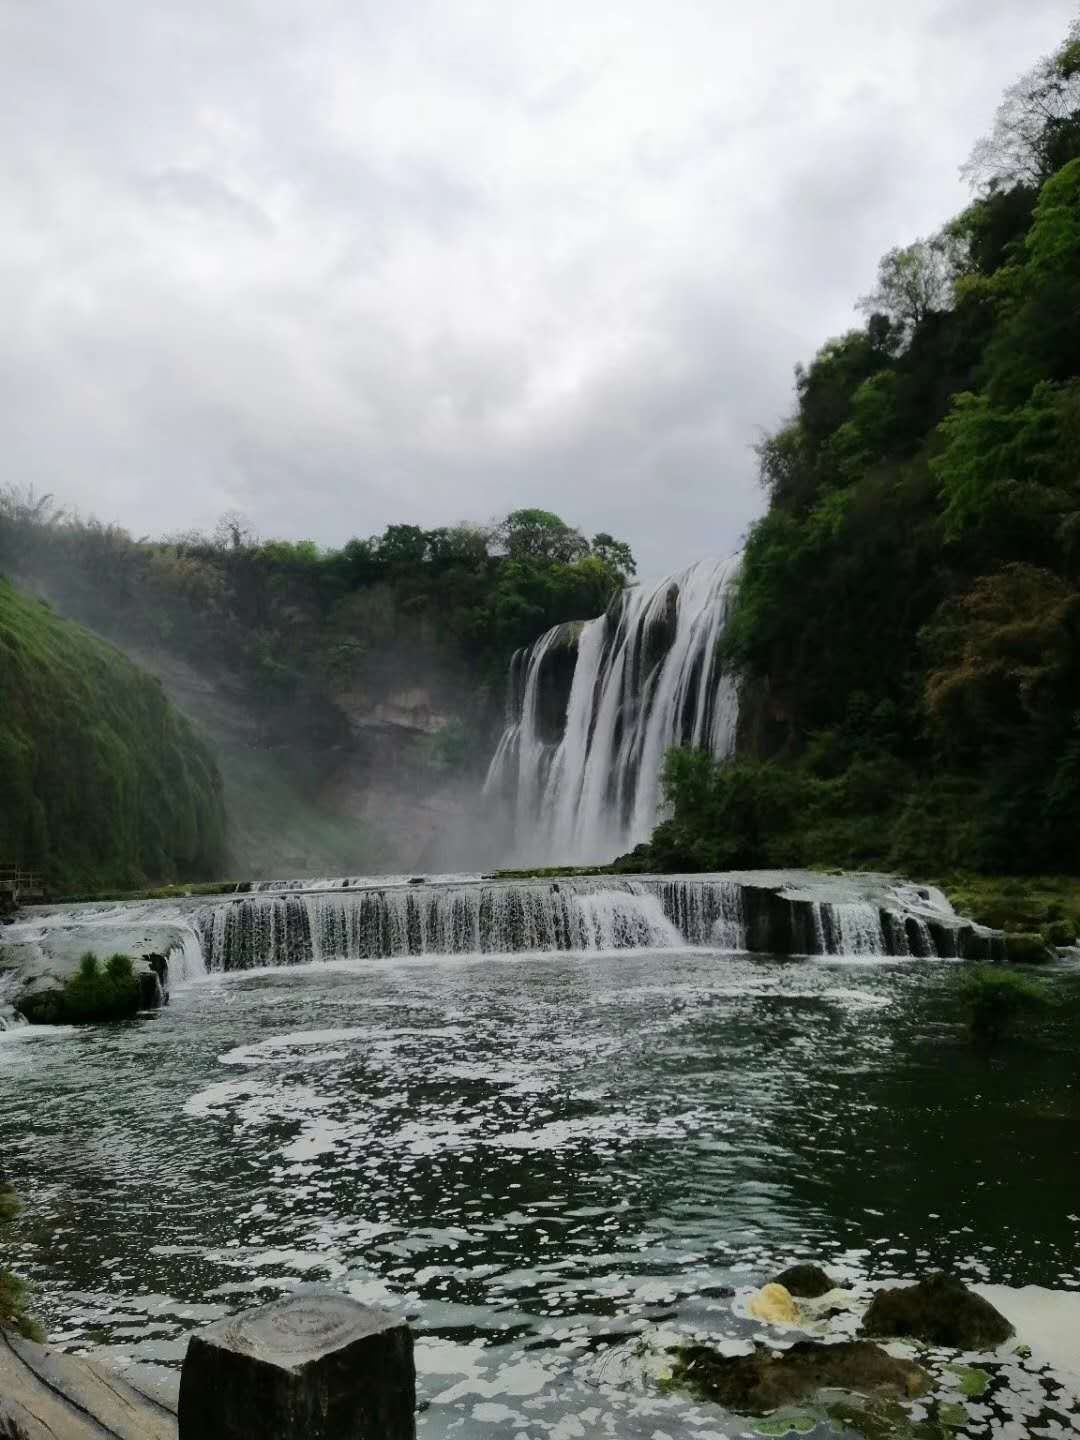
(940, 1310)
(766, 1380)
(805, 1282)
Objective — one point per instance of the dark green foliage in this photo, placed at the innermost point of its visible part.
(1035, 903)
(907, 625)
(101, 781)
(296, 628)
(997, 997)
(93, 993)
(727, 817)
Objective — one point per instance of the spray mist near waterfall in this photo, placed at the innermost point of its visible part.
(593, 708)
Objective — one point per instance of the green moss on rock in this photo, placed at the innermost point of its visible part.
(764, 1381)
(997, 997)
(1027, 948)
(95, 993)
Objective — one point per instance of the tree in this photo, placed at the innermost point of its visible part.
(616, 555)
(1037, 126)
(540, 535)
(913, 282)
(403, 545)
(233, 532)
(1003, 653)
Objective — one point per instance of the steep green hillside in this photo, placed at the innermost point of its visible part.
(352, 697)
(907, 626)
(101, 781)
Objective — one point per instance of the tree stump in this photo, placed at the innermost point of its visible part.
(313, 1366)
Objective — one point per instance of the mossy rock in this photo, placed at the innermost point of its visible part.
(1059, 933)
(998, 996)
(94, 993)
(973, 1382)
(940, 1310)
(1026, 947)
(883, 1420)
(767, 1380)
(42, 1006)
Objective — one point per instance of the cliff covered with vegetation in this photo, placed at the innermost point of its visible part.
(101, 781)
(907, 626)
(352, 696)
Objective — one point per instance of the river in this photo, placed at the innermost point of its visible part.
(538, 1159)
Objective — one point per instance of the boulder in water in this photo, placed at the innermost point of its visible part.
(807, 1282)
(774, 1304)
(1025, 948)
(766, 1380)
(940, 1310)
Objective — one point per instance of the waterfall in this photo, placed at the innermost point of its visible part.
(593, 708)
(294, 928)
(783, 913)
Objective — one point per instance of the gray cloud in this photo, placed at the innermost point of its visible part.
(346, 263)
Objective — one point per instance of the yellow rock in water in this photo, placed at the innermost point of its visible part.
(774, 1304)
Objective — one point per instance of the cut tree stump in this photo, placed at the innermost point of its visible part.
(313, 1366)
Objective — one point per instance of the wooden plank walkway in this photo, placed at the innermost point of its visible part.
(46, 1395)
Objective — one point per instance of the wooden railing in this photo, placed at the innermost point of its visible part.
(17, 880)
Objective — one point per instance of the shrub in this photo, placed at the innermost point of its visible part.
(92, 994)
(96, 994)
(996, 997)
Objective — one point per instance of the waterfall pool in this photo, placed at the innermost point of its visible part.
(545, 1161)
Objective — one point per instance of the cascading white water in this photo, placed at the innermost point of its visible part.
(645, 677)
(286, 928)
(778, 912)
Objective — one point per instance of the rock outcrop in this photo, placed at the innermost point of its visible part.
(806, 1282)
(766, 1380)
(940, 1310)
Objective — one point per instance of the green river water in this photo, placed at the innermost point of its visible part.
(548, 1163)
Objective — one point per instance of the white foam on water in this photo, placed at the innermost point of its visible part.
(1047, 1320)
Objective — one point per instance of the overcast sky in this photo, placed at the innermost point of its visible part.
(340, 263)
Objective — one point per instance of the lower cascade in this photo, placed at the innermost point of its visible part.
(593, 707)
(778, 913)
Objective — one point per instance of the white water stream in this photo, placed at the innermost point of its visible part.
(646, 678)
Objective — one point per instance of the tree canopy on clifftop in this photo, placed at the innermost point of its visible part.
(907, 625)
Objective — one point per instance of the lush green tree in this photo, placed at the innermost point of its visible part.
(616, 555)
(540, 535)
(906, 625)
